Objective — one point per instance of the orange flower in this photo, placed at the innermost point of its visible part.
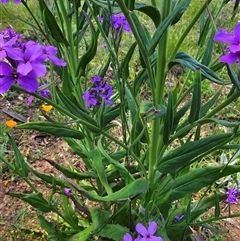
(11, 123)
(47, 108)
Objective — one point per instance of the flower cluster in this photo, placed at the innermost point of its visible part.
(23, 61)
(6, 1)
(144, 234)
(233, 49)
(232, 194)
(100, 91)
(120, 22)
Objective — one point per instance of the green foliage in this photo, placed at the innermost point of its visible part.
(150, 170)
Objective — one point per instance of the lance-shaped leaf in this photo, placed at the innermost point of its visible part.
(36, 200)
(53, 129)
(97, 164)
(51, 23)
(20, 166)
(164, 25)
(91, 50)
(191, 151)
(191, 63)
(193, 181)
(196, 98)
(151, 11)
(169, 120)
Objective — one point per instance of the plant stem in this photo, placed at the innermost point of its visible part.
(159, 91)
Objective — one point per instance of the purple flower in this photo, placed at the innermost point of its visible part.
(120, 22)
(45, 93)
(6, 47)
(233, 49)
(179, 218)
(127, 237)
(6, 1)
(96, 79)
(29, 60)
(90, 98)
(147, 234)
(8, 76)
(232, 196)
(101, 91)
(50, 52)
(67, 191)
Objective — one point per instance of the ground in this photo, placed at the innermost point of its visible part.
(16, 217)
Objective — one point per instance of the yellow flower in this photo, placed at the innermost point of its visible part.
(11, 123)
(47, 108)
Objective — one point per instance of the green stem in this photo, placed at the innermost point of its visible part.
(159, 91)
(142, 46)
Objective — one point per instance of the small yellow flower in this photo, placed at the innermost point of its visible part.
(11, 123)
(47, 108)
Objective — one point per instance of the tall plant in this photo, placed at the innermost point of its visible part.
(144, 177)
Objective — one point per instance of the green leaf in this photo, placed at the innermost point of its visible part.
(206, 107)
(113, 232)
(51, 23)
(181, 11)
(47, 178)
(53, 129)
(72, 174)
(50, 229)
(20, 166)
(79, 111)
(97, 164)
(191, 151)
(196, 98)
(36, 200)
(150, 11)
(193, 181)
(169, 120)
(91, 50)
(164, 25)
(142, 32)
(99, 217)
(191, 63)
(124, 67)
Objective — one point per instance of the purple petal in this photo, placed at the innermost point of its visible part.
(154, 238)
(24, 68)
(39, 69)
(17, 1)
(30, 100)
(223, 36)
(230, 58)
(127, 237)
(5, 69)
(237, 32)
(234, 47)
(139, 239)
(141, 229)
(14, 54)
(152, 228)
(29, 84)
(5, 84)
(57, 61)
(3, 54)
